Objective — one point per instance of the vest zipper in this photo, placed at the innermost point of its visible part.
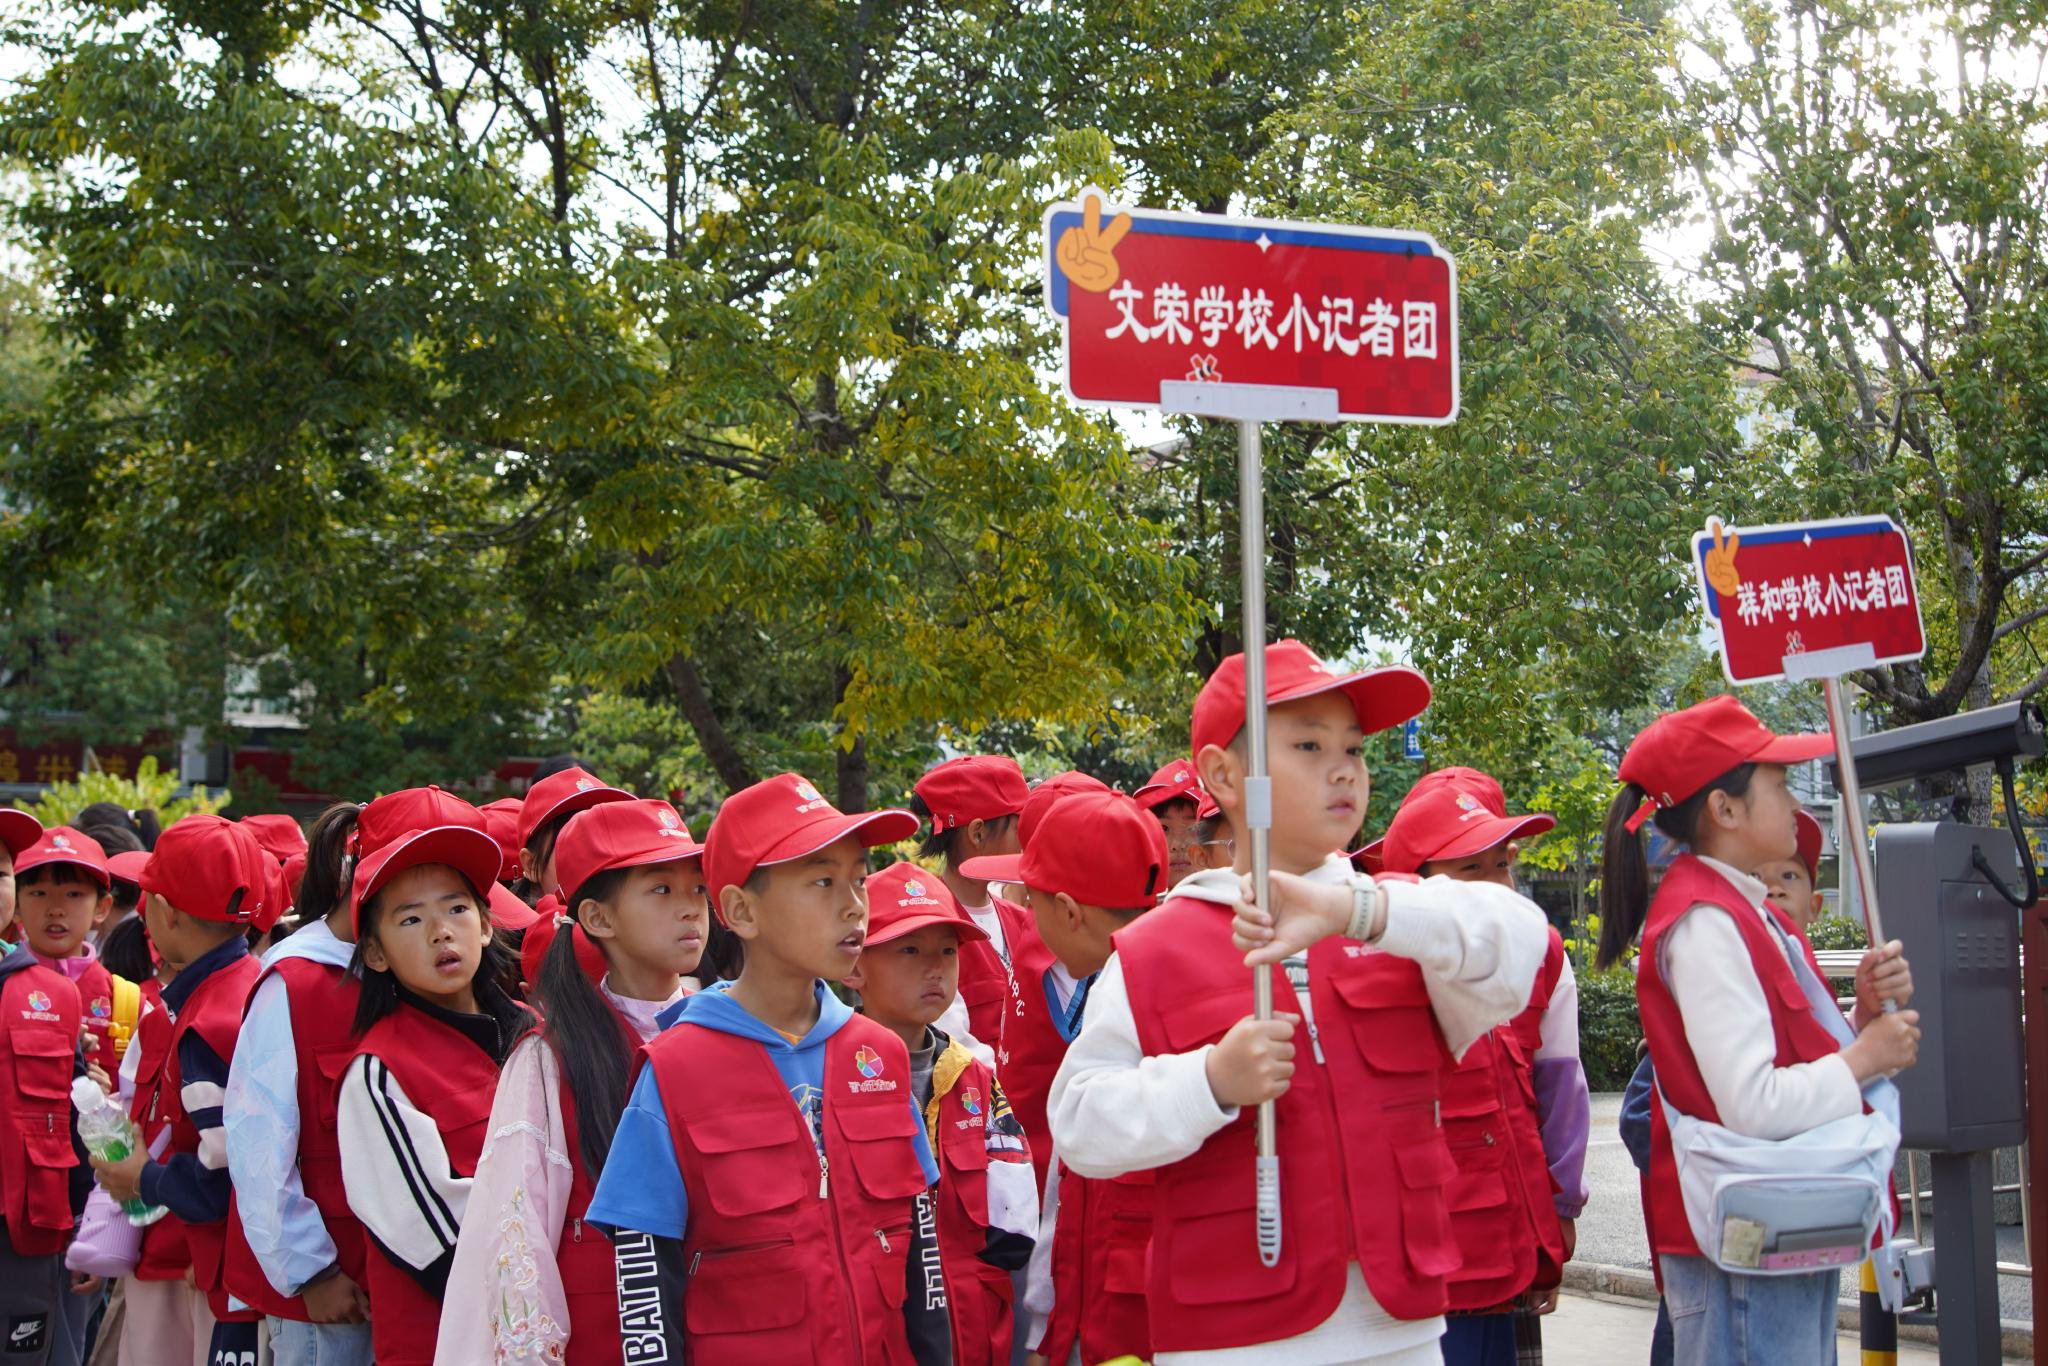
(824, 1176)
(883, 1239)
(576, 1227)
(695, 1258)
(1315, 1039)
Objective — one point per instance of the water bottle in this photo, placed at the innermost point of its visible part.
(110, 1136)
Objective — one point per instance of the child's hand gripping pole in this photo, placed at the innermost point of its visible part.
(1258, 792)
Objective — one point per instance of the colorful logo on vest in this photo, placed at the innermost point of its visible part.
(970, 1101)
(39, 1000)
(869, 1062)
(101, 1007)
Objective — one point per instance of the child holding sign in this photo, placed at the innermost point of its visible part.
(1741, 1028)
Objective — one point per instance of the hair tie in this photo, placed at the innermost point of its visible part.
(1644, 812)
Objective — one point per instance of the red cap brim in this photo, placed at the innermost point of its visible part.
(1383, 698)
(1492, 832)
(994, 868)
(96, 872)
(660, 851)
(128, 865)
(467, 850)
(1794, 749)
(872, 827)
(508, 912)
(910, 924)
(18, 829)
(570, 804)
(1367, 860)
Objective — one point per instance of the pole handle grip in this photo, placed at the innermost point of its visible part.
(1269, 1211)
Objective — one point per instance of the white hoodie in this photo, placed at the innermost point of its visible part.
(1115, 1110)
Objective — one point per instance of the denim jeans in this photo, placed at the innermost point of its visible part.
(319, 1344)
(1719, 1319)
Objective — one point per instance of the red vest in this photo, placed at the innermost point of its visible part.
(1032, 1046)
(96, 1007)
(164, 1254)
(1365, 1168)
(1102, 1235)
(985, 988)
(583, 1256)
(39, 1022)
(1799, 1036)
(451, 1080)
(792, 1256)
(978, 1296)
(322, 1002)
(214, 1012)
(1502, 1212)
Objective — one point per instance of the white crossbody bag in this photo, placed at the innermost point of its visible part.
(1790, 1206)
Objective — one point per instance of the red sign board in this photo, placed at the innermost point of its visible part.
(1838, 591)
(1362, 320)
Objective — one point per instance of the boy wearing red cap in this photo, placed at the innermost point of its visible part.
(295, 1251)
(1174, 794)
(1389, 983)
(1793, 884)
(1516, 1107)
(762, 1182)
(545, 810)
(40, 1019)
(970, 807)
(206, 882)
(1093, 862)
(62, 889)
(987, 1202)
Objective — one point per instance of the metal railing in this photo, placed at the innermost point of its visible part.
(1836, 963)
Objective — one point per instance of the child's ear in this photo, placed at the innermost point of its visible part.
(101, 911)
(529, 866)
(1222, 774)
(1070, 911)
(596, 918)
(373, 956)
(977, 832)
(737, 905)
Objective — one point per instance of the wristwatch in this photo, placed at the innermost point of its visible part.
(1368, 910)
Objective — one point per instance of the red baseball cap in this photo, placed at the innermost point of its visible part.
(1176, 781)
(210, 867)
(904, 898)
(62, 844)
(1480, 785)
(1382, 697)
(127, 865)
(421, 825)
(549, 921)
(978, 787)
(18, 829)
(501, 820)
(1810, 840)
(1445, 820)
(619, 835)
(1100, 848)
(279, 835)
(1209, 808)
(1005, 867)
(784, 818)
(559, 794)
(1680, 752)
(294, 873)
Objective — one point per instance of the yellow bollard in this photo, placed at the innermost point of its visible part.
(1880, 1327)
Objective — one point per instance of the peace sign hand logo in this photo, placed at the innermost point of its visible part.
(1720, 560)
(1087, 254)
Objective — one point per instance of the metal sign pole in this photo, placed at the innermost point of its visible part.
(1258, 790)
(1851, 841)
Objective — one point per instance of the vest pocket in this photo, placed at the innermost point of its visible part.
(47, 1140)
(881, 1142)
(748, 1168)
(746, 1305)
(1210, 1245)
(332, 1064)
(42, 1065)
(1190, 1023)
(1424, 1162)
(1129, 1248)
(1391, 1022)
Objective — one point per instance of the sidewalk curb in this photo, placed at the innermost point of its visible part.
(1592, 1278)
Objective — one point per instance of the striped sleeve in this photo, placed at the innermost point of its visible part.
(194, 1186)
(397, 1174)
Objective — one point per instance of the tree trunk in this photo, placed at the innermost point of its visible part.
(732, 770)
(852, 761)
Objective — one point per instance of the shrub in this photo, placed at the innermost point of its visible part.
(1609, 1027)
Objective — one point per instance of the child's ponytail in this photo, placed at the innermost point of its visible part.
(590, 1043)
(329, 870)
(1624, 879)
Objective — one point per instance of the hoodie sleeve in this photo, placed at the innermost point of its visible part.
(1564, 1108)
(641, 1187)
(1479, 947)
(396, 1171)
(1012, 1187)
(261, 1117)
(195, 1186)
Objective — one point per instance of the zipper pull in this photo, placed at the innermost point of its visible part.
(883, 1239)
(576, 1233)
(824, 1178)
(695, 1257)
(1315, 1040)
(1489, 1138)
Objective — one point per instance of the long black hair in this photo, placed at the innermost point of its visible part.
(1625, 867)
(329, 869)
(590, 1042)
(126, 952)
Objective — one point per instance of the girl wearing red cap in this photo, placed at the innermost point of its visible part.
(434, 1026)
(1174, 795)
(1741, 1027)
(542, 1287)
(1794, 883)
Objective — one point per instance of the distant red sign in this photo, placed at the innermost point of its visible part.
(1838, 591)
(1365, 320)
